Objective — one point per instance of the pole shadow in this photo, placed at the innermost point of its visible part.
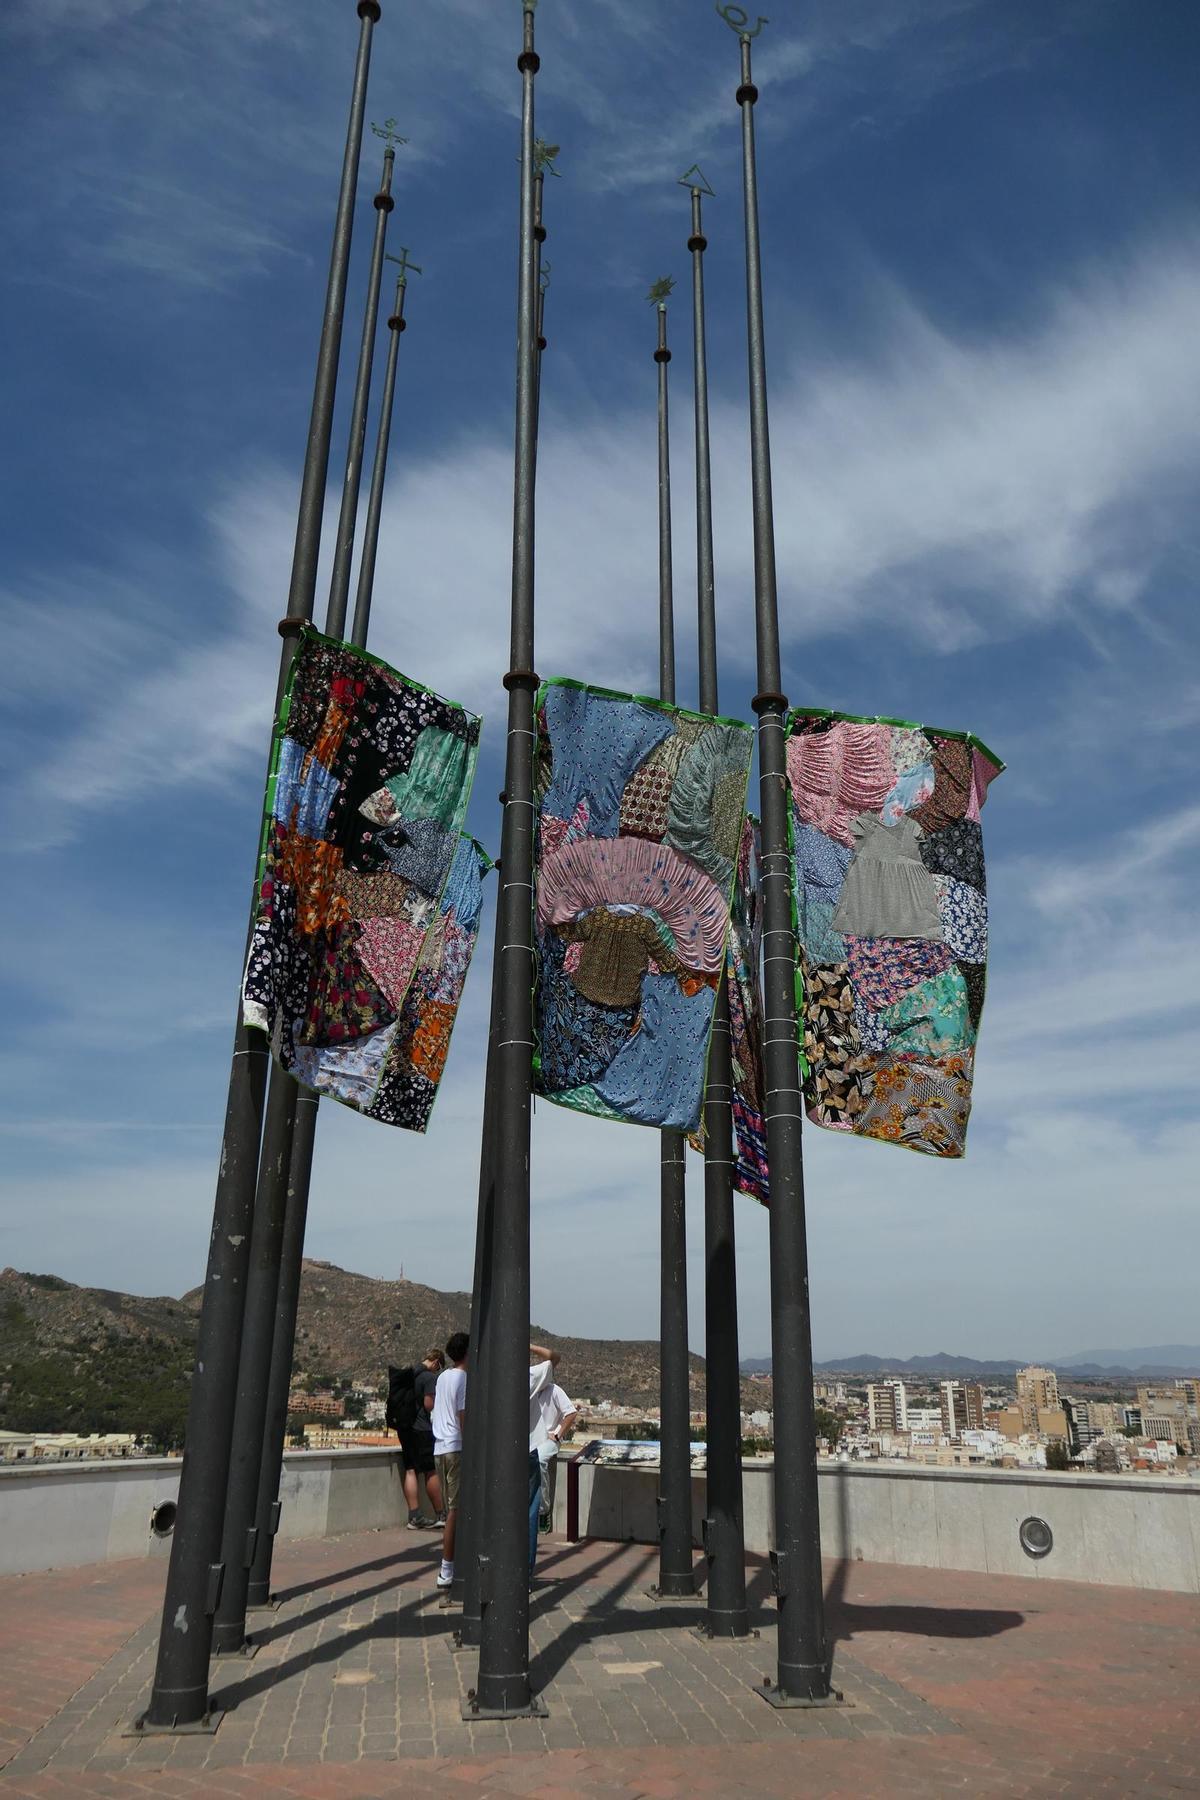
(409, 1554)
(845, 1619)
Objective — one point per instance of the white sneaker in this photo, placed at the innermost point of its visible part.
(445, 1581)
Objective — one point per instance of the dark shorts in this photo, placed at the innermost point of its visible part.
(416, 1447)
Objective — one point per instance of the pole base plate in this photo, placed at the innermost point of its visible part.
(245, 1650)
(692, 1598)
(141, 1727)
(775, 1696)
(271, 1605)
(471, 1711)
(710, 1636)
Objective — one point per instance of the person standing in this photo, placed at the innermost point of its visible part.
(417, 1445)
(558, 1416)
(542, 1364)
(448, 1414)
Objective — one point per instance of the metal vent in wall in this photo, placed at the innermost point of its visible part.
(1036, 1537)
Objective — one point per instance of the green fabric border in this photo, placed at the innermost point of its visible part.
(590, 687)
(848, 718)
(684, 712)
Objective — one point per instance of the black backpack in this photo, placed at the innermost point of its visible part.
(402, 1399)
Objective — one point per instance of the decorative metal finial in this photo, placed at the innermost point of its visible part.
(543, 157)
(737, 19)
(387, 131)
(404, 263)
(658, 293)
(696, 179)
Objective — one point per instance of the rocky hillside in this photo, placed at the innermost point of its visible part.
(88, 1359)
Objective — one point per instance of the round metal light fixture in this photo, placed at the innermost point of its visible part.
(1036, 1537)
(162, 1518)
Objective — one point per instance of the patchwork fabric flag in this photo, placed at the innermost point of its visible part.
(750, 1175)
(639, 824)
(891, 923)
(368, 908)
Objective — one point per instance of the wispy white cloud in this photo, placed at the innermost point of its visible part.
(963, 489)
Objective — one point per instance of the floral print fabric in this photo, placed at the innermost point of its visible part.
(640, 810)
(889, 1018)
(363, 930)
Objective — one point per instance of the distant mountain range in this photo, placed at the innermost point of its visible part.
(1157, 1363)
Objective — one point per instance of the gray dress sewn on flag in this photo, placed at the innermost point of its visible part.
(888, 891)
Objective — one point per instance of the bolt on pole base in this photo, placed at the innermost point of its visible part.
(271, 1605)
(726, 1628)
(785, 1702)
(205, 1726)
(671, 1596)
(472, 1711)
(237, 1652)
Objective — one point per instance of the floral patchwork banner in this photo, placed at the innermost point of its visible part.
(640, 809)
(891, 923)
(367, 909)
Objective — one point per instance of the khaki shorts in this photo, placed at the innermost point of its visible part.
(449, 1468)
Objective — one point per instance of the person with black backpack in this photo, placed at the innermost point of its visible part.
(409, 1410)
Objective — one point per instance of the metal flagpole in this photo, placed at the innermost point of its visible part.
(468, 1571)
(339, 586)
(675, 1578)
(268, 1505)
(295, 1217)
(503, 1689)
(366, 562)
(179, 1697)
(802, 1676)
(725, 1612)
(239, 1537)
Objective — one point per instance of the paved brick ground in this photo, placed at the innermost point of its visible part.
(958, 1682)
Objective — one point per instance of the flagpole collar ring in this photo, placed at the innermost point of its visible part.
(697, 242)
(529, 60)
(526, 678)
(747, 91)
(291, 625)
(767, 702)
(369, 9)
(384, 203)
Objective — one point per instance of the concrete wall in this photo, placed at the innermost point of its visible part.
(63, 1515)
(1127, 1532)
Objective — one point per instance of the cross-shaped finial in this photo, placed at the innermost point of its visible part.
(404, 263)
(661, 289)
(694, 178)
(738, 19)
(544, 155)
(387, 131)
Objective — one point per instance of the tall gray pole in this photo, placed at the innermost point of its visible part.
(268, 1507)
(179, 1697)
(675, 1577)
(725, 1612)
(469, 1568)
(802, 1676)
(503, 1683)
(268, 1504)
(239, 1540)
(343, 552)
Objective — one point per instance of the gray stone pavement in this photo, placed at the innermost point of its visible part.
(360, 1663)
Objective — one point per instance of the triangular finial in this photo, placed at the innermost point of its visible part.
(695, 179)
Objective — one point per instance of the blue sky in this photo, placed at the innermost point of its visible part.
(982, 251)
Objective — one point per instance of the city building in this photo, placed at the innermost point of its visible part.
(321, 1404)
(887, 1405)
(1037, 1391)
(962, 1408)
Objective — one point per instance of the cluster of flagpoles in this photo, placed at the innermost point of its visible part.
(228, 1507)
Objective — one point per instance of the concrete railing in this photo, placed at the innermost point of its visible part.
(62, 1515)
(1137, 1532)
(1134, 1531)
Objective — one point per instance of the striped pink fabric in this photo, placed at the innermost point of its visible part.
(628, 871)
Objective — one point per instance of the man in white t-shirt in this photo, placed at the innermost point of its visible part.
(449, 1411)
(558, 1416)
(542, 1363)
